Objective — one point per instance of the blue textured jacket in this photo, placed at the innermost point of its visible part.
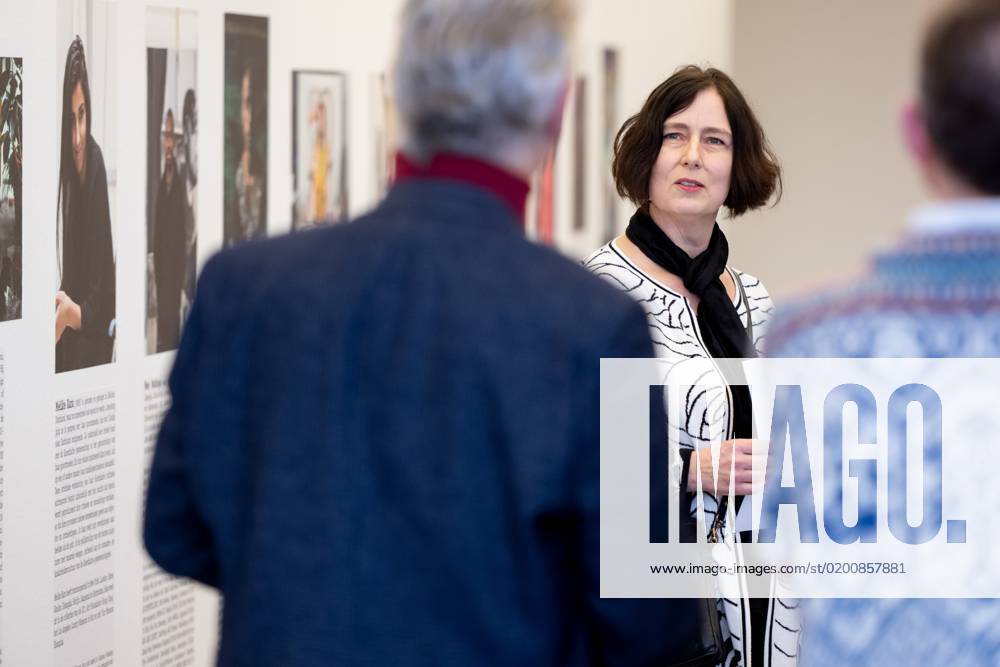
(935, 295)
(383, 446)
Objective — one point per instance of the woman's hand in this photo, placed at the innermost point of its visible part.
(67, 314)
(735, 467)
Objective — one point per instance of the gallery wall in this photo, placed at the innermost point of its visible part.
(76, 587)
(828, 81)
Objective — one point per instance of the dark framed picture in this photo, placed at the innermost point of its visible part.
(11, 186)
(245, 101)
(171, 173)
(609, 127)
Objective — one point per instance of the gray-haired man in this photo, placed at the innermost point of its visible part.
(383, 442)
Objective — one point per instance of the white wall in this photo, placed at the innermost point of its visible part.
(828, 80)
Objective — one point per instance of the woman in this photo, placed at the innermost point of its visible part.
(694, 148)
(85, 302)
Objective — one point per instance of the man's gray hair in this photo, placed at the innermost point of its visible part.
(472, 76)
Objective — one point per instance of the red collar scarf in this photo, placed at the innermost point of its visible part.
(513, 190)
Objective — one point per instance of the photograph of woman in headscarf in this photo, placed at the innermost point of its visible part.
(85, 301)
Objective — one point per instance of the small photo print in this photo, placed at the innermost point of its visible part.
(319, 148)
(384, 122)
(244, 180)
(11, 186)
(85, 318)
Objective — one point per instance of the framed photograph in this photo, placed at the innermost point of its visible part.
(545, 202)
(319, 148)
(244, 180)
(171, 173)
(11, 186)
(580, 154)
(85, 318)
(384, 123)
(608, 130)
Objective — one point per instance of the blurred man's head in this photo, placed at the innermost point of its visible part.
(954, 128)
(485, 78)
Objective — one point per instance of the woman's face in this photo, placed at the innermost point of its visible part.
(691, 175)
(78, 118)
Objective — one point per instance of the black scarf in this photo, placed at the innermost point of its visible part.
(722, 330)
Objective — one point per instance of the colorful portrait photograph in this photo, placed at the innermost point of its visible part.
(319, 148)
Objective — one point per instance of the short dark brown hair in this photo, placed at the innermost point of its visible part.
(756, 175)
(960, 91)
